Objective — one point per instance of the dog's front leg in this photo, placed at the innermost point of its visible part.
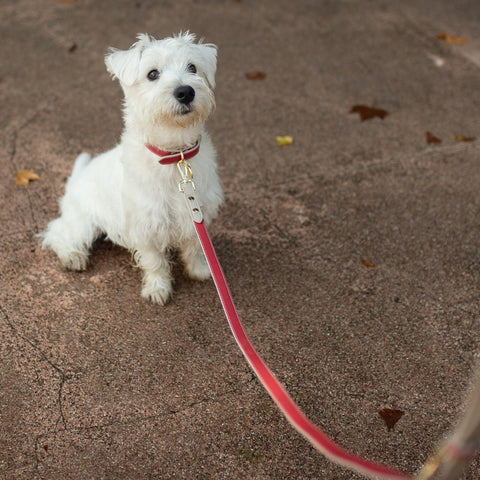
(157, 278)
(196, 266)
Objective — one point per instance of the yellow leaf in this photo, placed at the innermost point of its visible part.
(452, 39)
(25, 176)
(284, 141)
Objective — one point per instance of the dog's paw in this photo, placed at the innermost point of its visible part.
(74, 261)
(197, 268)
(157, 289)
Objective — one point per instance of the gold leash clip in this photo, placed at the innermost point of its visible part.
(185, 171)
(187, 187)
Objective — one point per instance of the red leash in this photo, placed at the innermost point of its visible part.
(278, 393)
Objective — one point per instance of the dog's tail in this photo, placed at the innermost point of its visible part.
(80, 163)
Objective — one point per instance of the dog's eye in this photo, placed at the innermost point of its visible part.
(191, 68)
(153, 75)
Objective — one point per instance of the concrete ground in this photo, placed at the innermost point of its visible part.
(353, 254)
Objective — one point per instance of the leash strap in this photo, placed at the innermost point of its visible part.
(276, 390)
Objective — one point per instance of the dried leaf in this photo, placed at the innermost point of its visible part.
(257, 75)
(390, 416)
(45, 447)
(368, 264)
(431, 138)
(24, 177)
(461, 138)
(284, 141)
(366, 113)
(452, 39)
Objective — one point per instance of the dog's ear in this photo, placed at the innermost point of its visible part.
(124, 64)
(209, 55)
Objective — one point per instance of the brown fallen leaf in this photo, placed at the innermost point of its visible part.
(452, 39)
(24, 177)
(390, 416)
(461, 138)
(431, 138)
(368, 264)
(257, 75)
(366, 113)
(45, 447)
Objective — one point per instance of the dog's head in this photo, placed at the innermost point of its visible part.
(167, 81)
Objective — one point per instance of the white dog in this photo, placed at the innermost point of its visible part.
(126, 193)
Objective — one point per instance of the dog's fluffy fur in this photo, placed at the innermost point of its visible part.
(125, 193)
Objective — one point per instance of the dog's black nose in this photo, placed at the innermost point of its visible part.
(184, 94)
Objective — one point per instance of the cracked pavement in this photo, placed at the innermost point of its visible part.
(95, 383)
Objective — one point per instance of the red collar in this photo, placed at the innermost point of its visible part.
(167, 158)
